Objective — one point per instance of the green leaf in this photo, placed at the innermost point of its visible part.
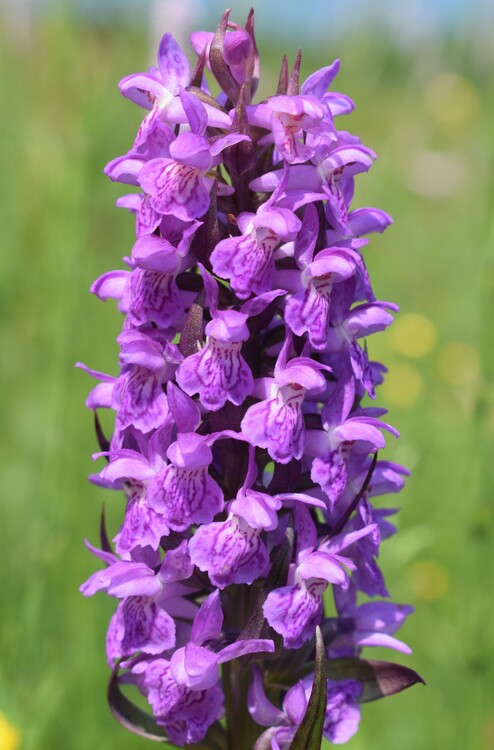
(103, 535)
(130, 715)
(378, 678)
(143, 724)
(309, 733)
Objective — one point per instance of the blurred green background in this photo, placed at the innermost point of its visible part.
(425, 105)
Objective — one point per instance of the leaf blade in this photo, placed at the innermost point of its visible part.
(379, 679)
(309, 733)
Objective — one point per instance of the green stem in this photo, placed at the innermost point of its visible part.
(242, 731)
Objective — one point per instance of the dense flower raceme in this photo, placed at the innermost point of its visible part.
(242, 440)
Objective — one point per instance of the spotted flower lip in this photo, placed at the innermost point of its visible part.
(243, 441)
(248, 261)
(179, 185)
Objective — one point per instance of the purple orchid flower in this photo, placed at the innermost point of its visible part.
(144, 620)
(316, 85)
(143, 526)
(243, 441)
(218, 372)
(308, 307)
(342, 714)
(276, 423)
(330, 179)
(233, 551)
(179, 185)
(372, 624)
(341, 436)
(288, 118)
(351, 323)
(237, 50)
(196, 666)
(162, 89)
(295, 610)
(185, 714)
(149, 293)
(248, 261)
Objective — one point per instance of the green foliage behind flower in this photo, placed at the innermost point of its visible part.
(430, 118)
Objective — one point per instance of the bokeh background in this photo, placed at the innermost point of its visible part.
(421, 75)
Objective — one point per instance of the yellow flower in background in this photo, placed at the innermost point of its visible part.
(403, 384)
(459, 364)
(413, 335)
(9, 735)
(451, 99)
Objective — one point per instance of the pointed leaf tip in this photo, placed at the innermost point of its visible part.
(309, 733)
(103, 535)
(294, 80)
(379, 679)
(219, 68)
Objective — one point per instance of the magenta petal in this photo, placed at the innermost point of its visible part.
(361, 368)
(142, 88)
(185, 497)
(154, 297)
(294, 613)
(191, 149)
(184, 713)
(155, 254)
(230, 552)
(247, 261)
(114, 636)
(276, 426)
(147, 219)
(330, 471)
(174, 66)
(321, 565)
(190, 451)
(260, 708)
(239, 648)
(125, 169)
(142, 526)
(184, 410)
(101, 396)
(366, 220)
(295, 703)
(195, 667)
(382, 640)
(308, 311)
(175, 188)
(195, 112)
(148, 628)
(318, 83)
(258, 509)
(201, 40)
(218, 373)
(342, 711)
(139, 400)
(225, 141)
(208, 620)
(111, 285)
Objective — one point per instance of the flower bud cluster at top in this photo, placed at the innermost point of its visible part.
(239, 406)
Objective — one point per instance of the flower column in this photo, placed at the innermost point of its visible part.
(242, 440)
